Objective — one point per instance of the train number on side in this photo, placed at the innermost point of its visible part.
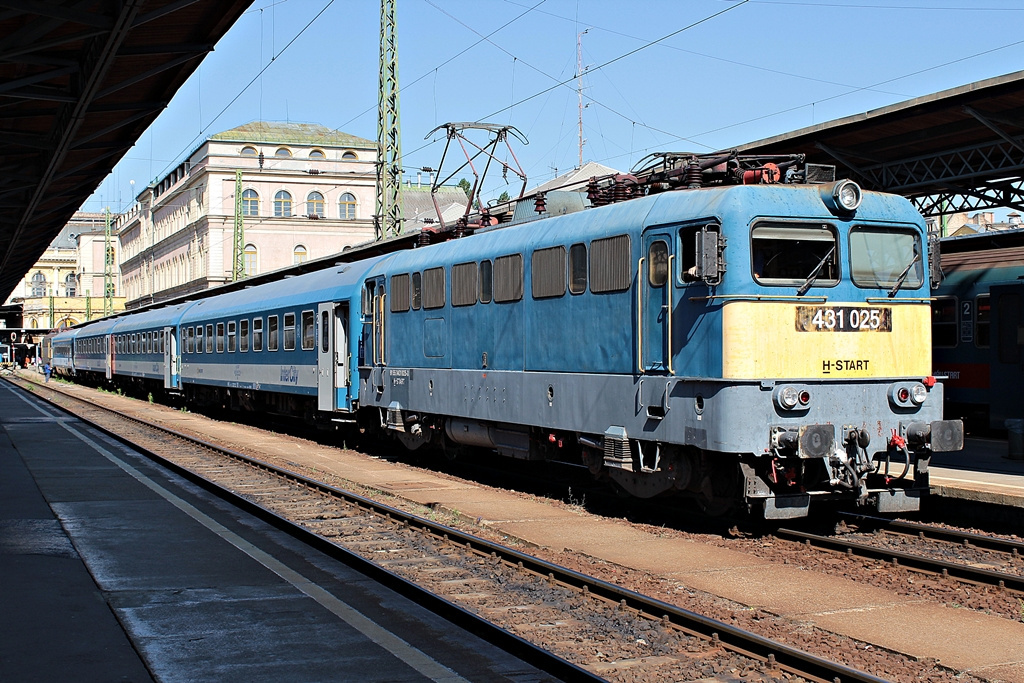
(843, 319)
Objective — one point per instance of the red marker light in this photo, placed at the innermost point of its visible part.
(903, 394)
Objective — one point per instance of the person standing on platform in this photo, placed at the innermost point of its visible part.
(47, 370)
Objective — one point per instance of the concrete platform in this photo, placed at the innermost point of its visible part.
(985, 645)
(980, 472)
(114, 570)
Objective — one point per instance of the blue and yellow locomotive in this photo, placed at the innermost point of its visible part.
(731, 333)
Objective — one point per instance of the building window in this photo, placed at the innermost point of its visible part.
(315, 204)
(250, 259)
(249, 151)
(317, 154)
(250, 203)
(283, 152)
(70, 285)
(299, 254)
(283, 204)
(349, 156)
(347, 206)
(38, 284)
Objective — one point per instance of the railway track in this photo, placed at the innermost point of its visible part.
(965, 556)
(574, 626)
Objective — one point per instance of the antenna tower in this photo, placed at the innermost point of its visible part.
(579, 86)
(388, 218)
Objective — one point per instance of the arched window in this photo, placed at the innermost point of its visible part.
(70, 285)
(250, 260)
(347, 206)
(299, 254)
(249, 152)
(349, 156)
(38, 284)
(250, 203)
(283, 204)
(317, 154)
(315, 204)
(283, 152)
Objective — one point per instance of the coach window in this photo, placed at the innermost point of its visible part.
(547, 273)
(417, 291)
(272, 333)
(944, 328)
(243, 335)
(257, 334)
(289, 331)
(983, 321)
(199, 338)
(486, 281)
(209, 338)
(190, 340)
(400, 293)
(578, 268)
(787, 254)
(464, 290)
(231, 336)
(610, 264)
(434, 294)
(308, 330)
(135, 343)
(220, 337)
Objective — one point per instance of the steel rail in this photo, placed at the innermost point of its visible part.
(735, 639)
(949, 535)
(956, 570)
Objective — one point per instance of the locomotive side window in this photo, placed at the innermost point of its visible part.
(508, 278)
(464, 284)
(610, 264)
(417, 291)
(433, 288)
(400, 293)
(272, 333)
(243, 335)
(657, 263)
(232, 337)
(289, 331)
(944, 327)
(257, 334)
(486, 281)
(578, 268)
(881, 257)
(788, 254)
(220, 337)
(547, 273)
(308, 330)
(983, 321)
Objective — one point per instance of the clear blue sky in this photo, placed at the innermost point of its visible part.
(731, 72)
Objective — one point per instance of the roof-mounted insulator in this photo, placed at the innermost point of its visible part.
(539, 205)
(694, 175)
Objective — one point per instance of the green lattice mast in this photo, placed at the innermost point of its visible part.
(108, 267)
(388, 218)
(238, 269)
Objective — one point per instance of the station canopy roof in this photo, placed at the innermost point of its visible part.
(957, 150)
(80, 81)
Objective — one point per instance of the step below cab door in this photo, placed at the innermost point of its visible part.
(333, 382)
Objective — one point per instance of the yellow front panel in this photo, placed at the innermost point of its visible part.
(762, 340)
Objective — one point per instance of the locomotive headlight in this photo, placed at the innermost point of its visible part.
(788, 397)
(907, 394)
(918, 394)
(841, 197)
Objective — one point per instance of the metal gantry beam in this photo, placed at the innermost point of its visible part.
(388, 217)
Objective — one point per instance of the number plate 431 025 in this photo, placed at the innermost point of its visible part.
(843, 319)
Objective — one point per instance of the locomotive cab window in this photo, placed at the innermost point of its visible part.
(657, 266)
(885, 257)
(791, 254)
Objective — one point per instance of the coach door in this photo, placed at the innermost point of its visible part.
(109, 365)
(654, 303)
(170, 359)
(1006, 371)
(374, 352)
(332, 358)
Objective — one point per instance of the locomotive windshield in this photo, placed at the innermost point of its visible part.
(786, 254)
(880, 256)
